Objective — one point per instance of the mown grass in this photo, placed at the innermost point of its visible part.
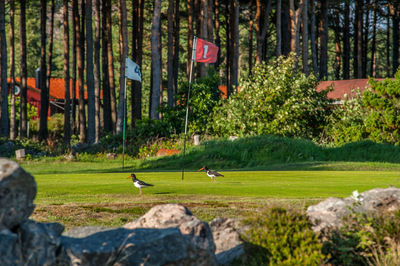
(110, 199)
(92, 190)
(112, 188)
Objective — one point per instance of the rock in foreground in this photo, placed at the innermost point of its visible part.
(330, 212)
(17, 192)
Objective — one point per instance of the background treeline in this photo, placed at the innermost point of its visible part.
(86, 41)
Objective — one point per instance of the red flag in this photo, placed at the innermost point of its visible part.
(206, 52)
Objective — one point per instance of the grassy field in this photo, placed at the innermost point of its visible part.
(110, 199)
(260, 172)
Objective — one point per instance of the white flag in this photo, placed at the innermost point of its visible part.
(132, 70)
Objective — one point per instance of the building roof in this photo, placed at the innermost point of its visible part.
(343, 88)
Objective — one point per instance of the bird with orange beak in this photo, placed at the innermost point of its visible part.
(211, 173)
(139, 183)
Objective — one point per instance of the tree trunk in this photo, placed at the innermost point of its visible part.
(313, 37)
(346, 42)
(123, 46)
(190, 7)
(44, 95)
(251, 23)
(91, 101)
(170, 70)
(74, 66)
(285, 28)
(13, 128)
(229, 51)
(388, 65)
(365, 41)
(4, 118)
(107, 118)
(23, 85)
(395, 37)
(217, 31)
(359, 32)
(51, 44)
(278, 28)
(110, 59)
(67, 113)
(203, 31)
(80, 41)
(305, 36)
(155, 61)
(235, 43)
(295, 16)
(323, 74)
(372, 71)
(96, 69)
(137, 50)
(261, 29)
(338, 48)
(176, 45)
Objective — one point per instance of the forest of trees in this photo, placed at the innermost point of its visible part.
(86, 41)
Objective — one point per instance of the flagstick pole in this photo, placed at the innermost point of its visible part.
(187, 103)
(123, 129)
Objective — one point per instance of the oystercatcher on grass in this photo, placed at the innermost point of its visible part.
(139, 183)
(210, 173)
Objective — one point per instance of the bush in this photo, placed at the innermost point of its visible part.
(361, 236)
(382, 101)
(347, 122)
(143, 140)
(282, 237)
(204, 97)
(276, 99)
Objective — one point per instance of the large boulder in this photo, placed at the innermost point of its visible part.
(10, 252)
(40, 242)
(17, 192)
(196, 232)
(330, 212)
(226, 234)
(141, 246)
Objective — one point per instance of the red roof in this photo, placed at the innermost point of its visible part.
(56, 89)
(344, 87)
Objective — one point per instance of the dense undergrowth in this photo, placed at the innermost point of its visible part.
(284, 237)
(260, 152)
(272, 152)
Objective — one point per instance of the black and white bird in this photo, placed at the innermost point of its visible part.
(210, 173)
(139, 183)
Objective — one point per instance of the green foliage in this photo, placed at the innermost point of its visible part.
(282, 237)
(346, 122)
(143, 140)
(55, 125)
(275, 152)
(204, 97)
(361, 234)
(276, 99)
(31, 110)
(383, 103)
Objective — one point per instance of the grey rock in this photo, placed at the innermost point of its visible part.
(40, 242)
(17, 192)
(142, 246)
(196, 232)
(10, 252)
(226, 234)
(330, 212)
(84, 231)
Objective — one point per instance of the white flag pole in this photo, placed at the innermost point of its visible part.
(187, 103)
(123, 129)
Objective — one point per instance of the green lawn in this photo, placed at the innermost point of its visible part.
(99, 193)
(115, 187)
